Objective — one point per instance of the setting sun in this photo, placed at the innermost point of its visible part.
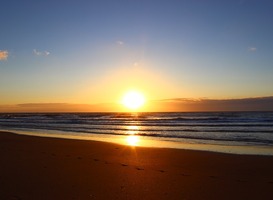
(133, 100)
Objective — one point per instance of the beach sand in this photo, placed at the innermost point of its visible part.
(50, 168)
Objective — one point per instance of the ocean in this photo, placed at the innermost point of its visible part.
(216, 131)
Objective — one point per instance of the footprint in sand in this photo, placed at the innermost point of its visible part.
(122, 188)
(185, 174)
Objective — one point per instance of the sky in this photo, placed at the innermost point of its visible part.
(90, 52)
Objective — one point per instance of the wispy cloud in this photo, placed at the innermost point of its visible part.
(253, 49)
(119, 42)
(4, 55)
(41, 53)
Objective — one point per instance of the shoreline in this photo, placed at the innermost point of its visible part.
(152, 142)
(53, 168)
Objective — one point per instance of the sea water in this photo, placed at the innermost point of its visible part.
(216, 131)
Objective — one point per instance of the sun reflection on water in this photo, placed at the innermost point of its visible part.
(132, 128)
(132, 139)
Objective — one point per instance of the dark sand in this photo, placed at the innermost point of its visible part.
(47, 168)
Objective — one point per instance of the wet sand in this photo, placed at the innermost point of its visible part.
(49, 168)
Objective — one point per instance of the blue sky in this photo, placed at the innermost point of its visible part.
(92, 51)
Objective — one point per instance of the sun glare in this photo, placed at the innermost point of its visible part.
(132, 140)
(133, 100)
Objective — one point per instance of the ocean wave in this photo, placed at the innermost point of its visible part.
(239, 126)
(206, 137)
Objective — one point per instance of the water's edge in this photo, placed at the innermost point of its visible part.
(153, 143)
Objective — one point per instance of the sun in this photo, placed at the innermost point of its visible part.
(133, 100)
